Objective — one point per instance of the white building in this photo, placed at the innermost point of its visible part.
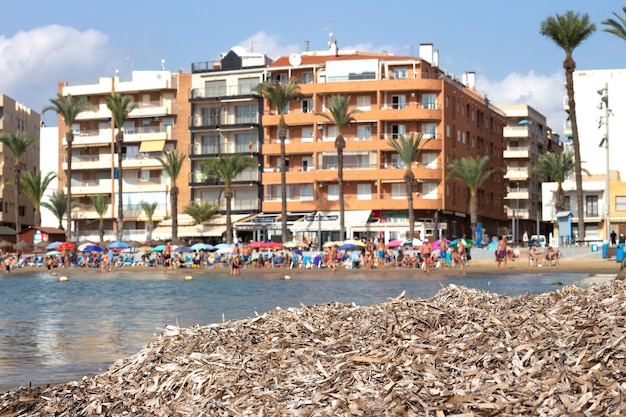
(48, 161)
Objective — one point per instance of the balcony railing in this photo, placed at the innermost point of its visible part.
(228, 119)
(199, 178)
(221, 92)
(223, 148)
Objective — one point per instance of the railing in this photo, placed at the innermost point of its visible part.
(220, 92)
(224, 148)
(228, 119)
(202, 179)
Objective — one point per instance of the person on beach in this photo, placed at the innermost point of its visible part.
(332, 259)
(426, 250)
(49, 264)
(525, 239)
(380, 252)
(443, 251)
(104, 263)
(167, 256)
(458, 256)
(501, 252)
(8, 261)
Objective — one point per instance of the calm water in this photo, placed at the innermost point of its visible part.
(53, 331)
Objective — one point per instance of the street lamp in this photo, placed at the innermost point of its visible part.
(604, 103)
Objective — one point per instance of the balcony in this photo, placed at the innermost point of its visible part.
(228, 148)
(516, 173)
(220, 93)
(102, 137)
(198, 122)
(517, 152)
(199, 179)
(105, 186)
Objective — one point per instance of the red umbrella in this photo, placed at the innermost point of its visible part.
(65, 246)
(272, 246)
(255, 245)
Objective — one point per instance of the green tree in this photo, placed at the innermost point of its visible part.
(34, 187)
(280, 94)
(616, 26)
(120, 107)
(201, 212)
(100, 204)
(149, 209)
(408, 148)
(173, 164)
(68, 108)
(568, 31)
(471, 172)
(17, 143)
(339, 108)
(226, 168)
(57, 204)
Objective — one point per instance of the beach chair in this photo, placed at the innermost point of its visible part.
(307, 262)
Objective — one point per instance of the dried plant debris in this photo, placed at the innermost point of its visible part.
(463, 352)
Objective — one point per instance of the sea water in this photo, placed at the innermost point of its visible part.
(55, 332)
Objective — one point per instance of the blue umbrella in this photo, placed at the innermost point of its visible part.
(296, 250)
(183, 249)
(349, 246)
(202, 246)
(53, 245)
(119, 245)
(159, 248)
(92, 248)
(221, 246)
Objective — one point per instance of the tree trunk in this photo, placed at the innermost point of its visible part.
(18, 173)
(409, 179)
(228, 196)
(473, 207)
(69, 136)
(101, 230)
(120, 205)
(283, 179)
(174, 205)
(570, 66)
(340, 144)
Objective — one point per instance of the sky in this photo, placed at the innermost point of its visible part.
(44, 42)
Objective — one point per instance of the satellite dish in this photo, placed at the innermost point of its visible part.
(295, 59)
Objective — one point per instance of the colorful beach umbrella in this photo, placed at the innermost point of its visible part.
(201, 246)
(467, 243)
(394, 243)
(118, 245)
(53, 245)
(354, 242)
(65, 246)
(415, 242)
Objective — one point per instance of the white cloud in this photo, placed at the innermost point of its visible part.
(543, 93)
(268, 44)
(33, 62)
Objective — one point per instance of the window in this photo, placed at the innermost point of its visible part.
(246, 114)
(247, 84)
(364, 132)
(333, 192)
(429, 130)
(307, 77)
(566, 203)
(591, 205)
(620, 203)
(363, 102)
(429, 159)
(145, 175)
(399, 73)
(364, 192)
(429, 101)
(447, 131)
(280, 78)
(398, 191)
(397, 130)
(211, 116)
(307, 134)
(306, 192)
(429, 190)
(398, 102)
(210, 145)
(245, 142)
(307, 105)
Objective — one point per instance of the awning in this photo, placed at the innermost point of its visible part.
(329, 221)
(197, 230)
(152, 146)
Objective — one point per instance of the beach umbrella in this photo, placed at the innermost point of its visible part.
(394, 243)
(254, 245)
(221, 246)
(271, 246)
(90, 247)
(349, 246)
(437, 243)
(297, 251)
(225, 249)
(201, 246)
(467, 243)
(22, 245)
(182, 248)
(294, 244)
(53, 253)
(145, 248)
(65, 246)
(118, 245)
(354, 242)
(53, 245)
(330, 244)
(5, 244)
(159, 248)
(413, 242)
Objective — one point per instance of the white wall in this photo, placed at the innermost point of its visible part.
(48, 161)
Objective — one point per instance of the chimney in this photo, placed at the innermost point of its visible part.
(426, 52)
(306, 46)
(471, 80)
(436, 58)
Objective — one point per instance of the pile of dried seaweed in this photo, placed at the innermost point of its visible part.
(463, 352)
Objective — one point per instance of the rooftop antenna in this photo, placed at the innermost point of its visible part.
(252, 42)
(163, 64)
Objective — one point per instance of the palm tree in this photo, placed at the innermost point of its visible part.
(471, 171)
(338, 107)
(17, 143)
(100, 204)
(557, 168)
(201, 212)
(280, 95)
(616, 27)
(34, 187)
(149, 209)
(57, 204)
(120, 107)
(173, 164)
(408, 148)
(68, 107)
(227, 168)
(568, 31)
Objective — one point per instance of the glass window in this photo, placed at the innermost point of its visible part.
(398, 191)
(398, 102)
(333, 192)
(306, 192)
(397, 130)
(429, 101)
(364, 132)
(307, 77)
(429, 190)
(210, 145)
(307, 134)
(245, 142)
(363, 102)
(429, 130)
(399, 73)
(307, 105)
(591, 202)
(364, 191)
(211, 116)
(566, 203)
(246, 114)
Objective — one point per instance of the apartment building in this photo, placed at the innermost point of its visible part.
(16, 117)
(156, 125)
(395, 95)
(526, 137)
(226, 120)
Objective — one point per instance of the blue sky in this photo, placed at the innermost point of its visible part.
(43, 42)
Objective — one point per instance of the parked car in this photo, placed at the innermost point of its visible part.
(539, 241)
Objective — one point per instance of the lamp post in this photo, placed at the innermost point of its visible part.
(604, 103)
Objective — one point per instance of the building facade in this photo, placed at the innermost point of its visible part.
(395, 95)
(16, 117)
(527, 138)
(156, 125)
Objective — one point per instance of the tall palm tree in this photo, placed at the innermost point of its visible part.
(616, 27)
(149, 209)
(472, 172)
(172, 165)
(68, 107)
(120, 107)
(340, 113)
(17, 143)
(568, 31)
(57, 204)
(557, 168)
(227, 168)
(280, 95)
(100, 204)
(408, 148)
(34, 187)
(201, 212)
